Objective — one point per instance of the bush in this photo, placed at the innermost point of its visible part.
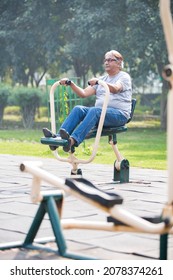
(43, 112)
(28, 99)
(4, 94)
(12, 110)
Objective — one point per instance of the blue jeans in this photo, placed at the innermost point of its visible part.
(82, 119)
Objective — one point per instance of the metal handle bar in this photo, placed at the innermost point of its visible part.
(166, 17)
(100, 125)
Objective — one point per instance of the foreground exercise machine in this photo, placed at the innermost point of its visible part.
(119, 219)
(121, 165)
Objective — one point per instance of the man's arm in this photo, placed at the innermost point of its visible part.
(114, 88)
(88, 91)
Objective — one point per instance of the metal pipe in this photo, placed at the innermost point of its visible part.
(71, 159)
(166, 17)
(116, 211)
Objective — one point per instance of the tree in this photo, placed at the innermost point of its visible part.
(90, 31)
(4, 94)
(42, 36)
(30, 32)
(28, 99)
(147, 45)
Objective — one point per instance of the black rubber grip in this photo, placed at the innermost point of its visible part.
(68, 83)
(90, 84)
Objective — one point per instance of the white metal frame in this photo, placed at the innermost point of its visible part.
(167, 23)
(131, 222)
(74, 161)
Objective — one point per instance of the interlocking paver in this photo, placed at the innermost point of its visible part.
(145, 195)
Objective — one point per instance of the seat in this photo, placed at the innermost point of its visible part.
(88, 190)
(108, 131)
(121, 165)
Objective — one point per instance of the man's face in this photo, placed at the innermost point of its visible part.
(111, 64)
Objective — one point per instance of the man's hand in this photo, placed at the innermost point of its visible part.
(93, 81)
(65, 82)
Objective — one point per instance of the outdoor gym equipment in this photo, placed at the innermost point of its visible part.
(121, 165)
(119, 219)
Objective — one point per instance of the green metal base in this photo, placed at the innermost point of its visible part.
(52, 205)
(122, 175)
(163, 246)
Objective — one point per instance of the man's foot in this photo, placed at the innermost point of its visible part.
(64, 135)
(48, 133)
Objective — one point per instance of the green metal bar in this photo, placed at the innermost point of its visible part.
(163, 246)
(56, 225)
(39, 246)
(51, 208)
(49, 205)
(124, 171)
(35, 225)
(58, 231)
(116, 177)
(62, 102)
(53, 141)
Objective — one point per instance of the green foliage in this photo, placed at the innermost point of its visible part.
(4, 94)
(30, 38)
(149, 54)
(43, 112)
(29, 100)
(51, 41)
(12, 110)
(144, 147)
(36, 42)
(65, 99)
(91, 30)
(63, 102)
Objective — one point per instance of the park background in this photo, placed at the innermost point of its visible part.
(43, 40)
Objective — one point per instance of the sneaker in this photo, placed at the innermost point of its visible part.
(64, 135)
(48, 133)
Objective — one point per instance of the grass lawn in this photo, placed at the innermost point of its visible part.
(144, 146)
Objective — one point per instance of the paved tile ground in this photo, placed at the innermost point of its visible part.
(145, 195)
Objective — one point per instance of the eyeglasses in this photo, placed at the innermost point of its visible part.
(109, 60)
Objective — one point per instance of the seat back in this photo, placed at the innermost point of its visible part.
(132, 109)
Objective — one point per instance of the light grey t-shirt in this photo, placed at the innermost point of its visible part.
(120, 100)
